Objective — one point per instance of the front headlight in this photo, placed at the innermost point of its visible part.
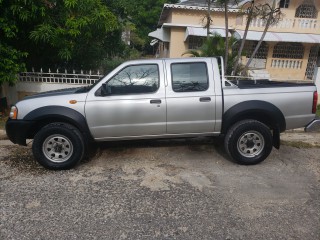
(13, 112)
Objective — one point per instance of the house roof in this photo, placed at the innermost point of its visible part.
(202, 5)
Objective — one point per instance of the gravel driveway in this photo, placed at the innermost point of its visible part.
(180, 189)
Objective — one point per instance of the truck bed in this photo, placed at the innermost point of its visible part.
(265, 83)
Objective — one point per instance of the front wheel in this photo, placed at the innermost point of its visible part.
(248, 142)
(58, 146)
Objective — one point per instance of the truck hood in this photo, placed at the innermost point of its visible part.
(57, 92)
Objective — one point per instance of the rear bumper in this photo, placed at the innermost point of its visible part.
(18, 130)
(313, 126)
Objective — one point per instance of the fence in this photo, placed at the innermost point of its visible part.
(61, 78)
(34, 82)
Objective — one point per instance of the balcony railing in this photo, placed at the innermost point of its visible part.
(300, 23)
(286, 63)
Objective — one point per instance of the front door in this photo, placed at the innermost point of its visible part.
(133, 106)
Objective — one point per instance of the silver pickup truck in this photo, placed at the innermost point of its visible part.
(162, 98)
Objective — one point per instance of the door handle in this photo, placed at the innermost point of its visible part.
(155, 101)
(205, 99)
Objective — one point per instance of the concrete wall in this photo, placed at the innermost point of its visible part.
(22, 89)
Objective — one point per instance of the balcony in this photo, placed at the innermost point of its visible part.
(298, 25)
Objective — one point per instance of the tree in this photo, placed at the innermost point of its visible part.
(57, 34)
(76, 30)
(225, 4)
(250, 13)
(11, 57)
(215, 46)
(271, 15)
(141, 16)
(11, 62)
(207, 19)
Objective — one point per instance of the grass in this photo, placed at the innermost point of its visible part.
(318, 110)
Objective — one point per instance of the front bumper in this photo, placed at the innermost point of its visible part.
(313, 126)
(18, 130)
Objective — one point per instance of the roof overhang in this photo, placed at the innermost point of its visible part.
(161, 34)
(202, 32)
(279, 36)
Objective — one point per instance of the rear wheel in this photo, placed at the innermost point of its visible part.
(248, 142)
(58, 146)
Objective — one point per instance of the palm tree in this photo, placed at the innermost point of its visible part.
(272, 15)
(225, 3)
(215, 45)
(251, 13)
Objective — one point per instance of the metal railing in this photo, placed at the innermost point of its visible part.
(286, 63)
(66, 77)
(301, 23)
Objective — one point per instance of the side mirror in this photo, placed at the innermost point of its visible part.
(105, 90)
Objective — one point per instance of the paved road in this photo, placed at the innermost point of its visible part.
(182, 189)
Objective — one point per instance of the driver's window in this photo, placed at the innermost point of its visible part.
(134, 80)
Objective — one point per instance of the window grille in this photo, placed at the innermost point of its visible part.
(312, 61)
(262, 52)
(284, 3)
(306, 10)
(195, 42)
(288, 50)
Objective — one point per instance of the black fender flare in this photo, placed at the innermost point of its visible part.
(62, 114)
(262, 111)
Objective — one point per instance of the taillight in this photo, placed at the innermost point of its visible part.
(315, 102)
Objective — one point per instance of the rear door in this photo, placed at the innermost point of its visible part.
(135, 105)
(190, 96)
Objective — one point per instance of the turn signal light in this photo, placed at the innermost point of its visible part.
(13, 112)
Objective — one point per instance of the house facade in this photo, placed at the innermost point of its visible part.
(290, 50)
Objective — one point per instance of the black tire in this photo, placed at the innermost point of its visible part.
(248, 142)
(58, 146)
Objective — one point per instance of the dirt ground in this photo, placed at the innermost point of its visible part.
(177, 189)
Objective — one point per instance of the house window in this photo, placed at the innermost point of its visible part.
(284, 3)
(288, 50)
(194, 42)
(306, 10)
(262, 52)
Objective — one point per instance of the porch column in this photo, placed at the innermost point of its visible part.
(270, 53)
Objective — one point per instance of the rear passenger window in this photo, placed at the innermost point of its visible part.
(189, 77)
